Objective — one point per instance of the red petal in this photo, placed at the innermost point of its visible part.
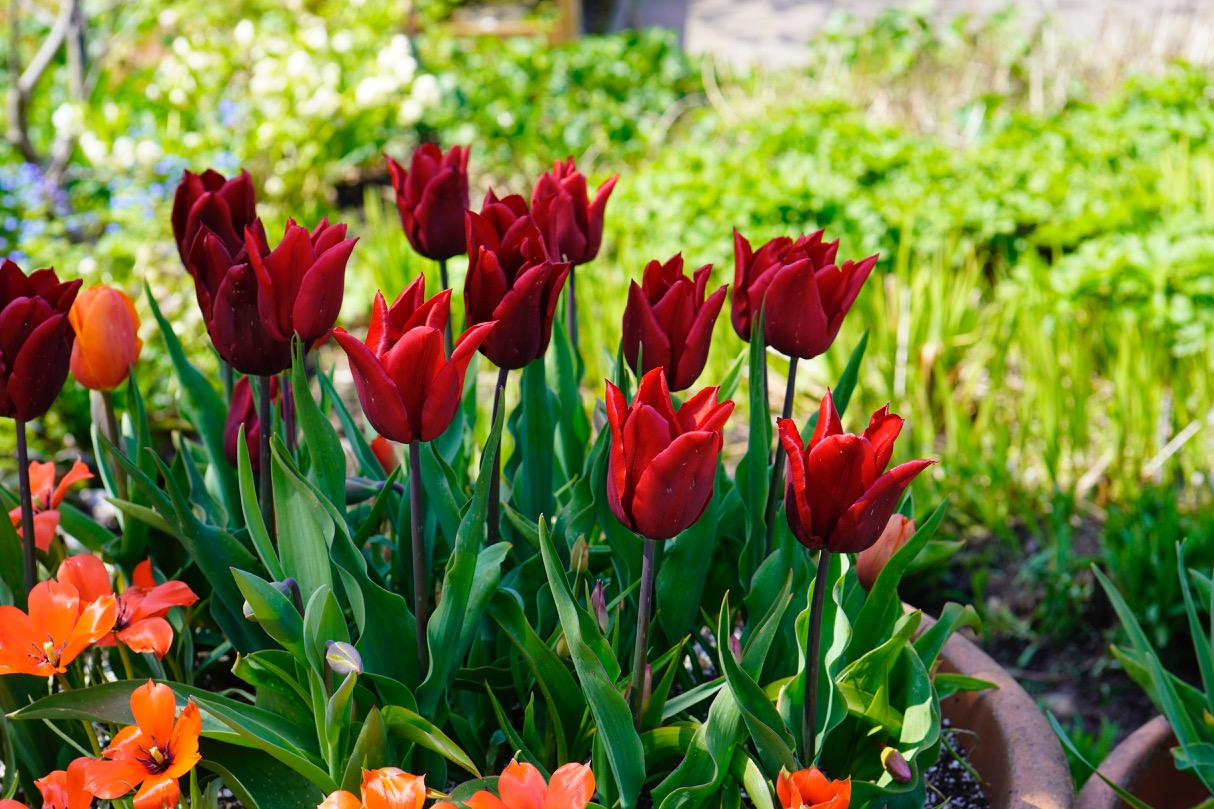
(863, 523)
(828, 421)
(377, 393)
(321, 292)
(795, 323)
(882, 431)
(676, 485)
(838, 469)
(152, 635)
(642, 334)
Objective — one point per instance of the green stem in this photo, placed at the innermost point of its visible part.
(808, 734)
(265, 416)
(125, 655)
(571, 309)
(442, 272)
(89, 730)
(421, 609)
(776, 492)
(27, 510)
(495, 479)
(288, 410)
(225, 373)
(114, 436)
(645, 609)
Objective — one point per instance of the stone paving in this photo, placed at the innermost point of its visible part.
(773, 33)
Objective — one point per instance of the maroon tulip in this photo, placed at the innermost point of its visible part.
(408, 387)
(301, 281)
(512, 281)
(838, 496)
(669, 323)
(571, 223)
(243, 412)
(809, 294)
(224, 207)
(431, 198)
(662, 464)
(35, 339)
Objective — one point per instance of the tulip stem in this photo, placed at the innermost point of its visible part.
(225, 374)
(777, 473)
(265, 416)
(495, 476)
(288, 410)
(808, 734)
(27, 509)
(114, 436)
(442, 272)
(644, 610)
(571, 309)
(420, 608)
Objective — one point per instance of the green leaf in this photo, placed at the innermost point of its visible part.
(256, 779)
(612, 718)
(323, 622)
(952, 617)
(412, 727)
(368, 465)
(370, 751)
(573, 429)
(532, 483)
(251, 509)
(274, 611)
(320, 439)
(754, 471)
(1125, 796)
(304, 526)
(1201, 642)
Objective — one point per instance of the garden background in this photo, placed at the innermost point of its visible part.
(1041, 198)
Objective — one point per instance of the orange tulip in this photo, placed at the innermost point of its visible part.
(151, 754)
(871, 560)
(47, 497)
(9, 803)
(810, 789)
(521, 786)
(64, 789)
(387, 788)
(55, 632)
(385, 453)
(141, 606)
(107, 338)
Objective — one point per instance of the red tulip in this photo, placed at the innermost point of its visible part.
(224, 207)
(36, 339)
(809, 294)
(431, 198)
(669, 323)
(662, 463)
(408, 387)
(839, 496)
(572, 224)
(243, 412)
(64, 789)
(512, 281)
(107, 338)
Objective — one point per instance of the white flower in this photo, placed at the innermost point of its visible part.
(167, 18)
(178, 97)
(88, 265)
(243, 33)
(124, 150)
(93, 147)
(404, 69)
(410, 112)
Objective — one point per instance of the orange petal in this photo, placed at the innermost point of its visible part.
(184, 741)
(571, 787)
(87, 574)
(160, 792)
(484, 800)
(155, 707)
(78, 472)
(53, 607)
(96, 621)
(339, 800)
(392, 788)
(151, 635)
(521, 786)
(46, 523)
(143, 575)
(162, 598)
(42, 482)
(112, 779)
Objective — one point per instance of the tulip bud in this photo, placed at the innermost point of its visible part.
(735, 648)
(598, 603)
(107, 338)
(895, 765)
(647, 690)
(579, 557)
(871, 561)
(562, 646)
(343, 658)
(384, 453)
(288, 588)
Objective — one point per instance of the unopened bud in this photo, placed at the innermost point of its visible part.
(735, 647)
(343, 658)
(289, 589)
(562, 646)
(598, 603)
(872, 560)
(579, 557)
(647, 691)
(895, 765)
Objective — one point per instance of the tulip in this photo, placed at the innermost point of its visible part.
(659, 478)
(140, 623)
(894, 763)
(872, 560)
(432, 197)
(221, 206)
(46, 497)
(521, 786)
(572, 225)
(410, 390)
(810, 789)
(810, 293)
(662, 463)
(511, 280)
(36, 339)
(107, 338)
(383, 451)
(242, 413)
(668, 322)
(386, 788)
(408, 387)
(838, 499)
(64, 789)
(151, 754)
(55, 632)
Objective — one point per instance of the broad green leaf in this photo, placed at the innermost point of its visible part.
(952, 617)
(370, 751)
(412, 727)
(304, 527)
(754, 470)
(274, 611)
(532, 483)
(251, 509)
(256, 779)
(328, 459)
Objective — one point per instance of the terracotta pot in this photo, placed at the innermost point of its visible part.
(1142, 765)
(1010, 744)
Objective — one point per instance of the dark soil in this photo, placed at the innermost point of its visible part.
(951, 781)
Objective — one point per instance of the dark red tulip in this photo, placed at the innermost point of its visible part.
(572, 224)
(663, 463)
(512, 281)
(300, 282)
(839, 496)
(431, 198)
(809, 293)
(408, 387)
(669, 323)
(35, 339)
(243, 411)
(224, 207)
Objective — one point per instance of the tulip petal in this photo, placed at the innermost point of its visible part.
(828, 421)
(158, 792)
(154, 707)
(795, 322)
(642, 334)
(694, 353)
(87, 574)
(40, 368)
(675, 487)
(617, 467)
(839, 468)
(522, 786)
(78, 472)
(381, 400)
(321, 292)
(52, 609)
(108, 779)
(184, 741)
(150, 635)
(413, 363)
(484, 799)
(345, 800)
(443, 395)
(796, 505)
(571, 787)
(863, 523)
(162, 598)
(882, 430)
